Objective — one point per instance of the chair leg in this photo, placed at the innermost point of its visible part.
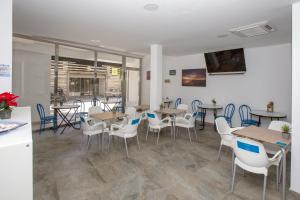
(89, 142)
(265, 185)
(158, 136)
(195, 132)
(147, 133)
(109, 140)
(233, 178)
(126, 146)
(277, 177)
(189, 135)
(220, 149)
(137, 141)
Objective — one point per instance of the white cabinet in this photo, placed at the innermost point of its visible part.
(16, 170)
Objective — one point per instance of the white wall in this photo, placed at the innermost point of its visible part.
(268, 78)
(6, 45)
(295, 165)
(31, 80)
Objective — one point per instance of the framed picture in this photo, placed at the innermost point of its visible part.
(194, 77)
(172, 72)
(167, 81)
(148, 74)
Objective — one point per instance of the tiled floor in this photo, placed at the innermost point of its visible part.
(65, 170)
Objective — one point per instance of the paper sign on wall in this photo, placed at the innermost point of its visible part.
(115, 71)
(5, 70)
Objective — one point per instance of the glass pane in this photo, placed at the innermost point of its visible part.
(132, 87)
(132, 62)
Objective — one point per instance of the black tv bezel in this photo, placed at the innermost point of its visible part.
(226, 73)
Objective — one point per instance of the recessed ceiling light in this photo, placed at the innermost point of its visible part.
(222, 36)
(151, 7)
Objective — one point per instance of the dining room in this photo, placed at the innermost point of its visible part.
(179, 108)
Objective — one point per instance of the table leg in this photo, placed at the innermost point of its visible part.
(283, 173)
(259, 120)
(215, 116)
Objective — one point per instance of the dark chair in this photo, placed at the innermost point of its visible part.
(95, 102)
(246, 118)
(177, 102)
(228, 113)
(199, 114)
(45, 119)
(81, 110)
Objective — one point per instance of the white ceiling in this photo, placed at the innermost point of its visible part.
(181, 26)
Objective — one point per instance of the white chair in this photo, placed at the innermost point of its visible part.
(94, 109)
(155, 124)
(252, 156)
(127, 131)
(130, 114)
(92, 128)
(188, 122)
(225, 133)
(272, 148)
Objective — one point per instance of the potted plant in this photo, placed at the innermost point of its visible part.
(161, 106)
(7, 100)
(214, 101)
(286, 129)
(114, 110)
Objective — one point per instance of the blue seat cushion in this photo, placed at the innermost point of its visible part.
(250, 122)
(199, 114)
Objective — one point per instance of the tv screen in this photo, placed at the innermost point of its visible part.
(229, 61)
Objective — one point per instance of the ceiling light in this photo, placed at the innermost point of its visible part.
(151, 7)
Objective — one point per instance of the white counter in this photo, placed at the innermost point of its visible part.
(16, 163)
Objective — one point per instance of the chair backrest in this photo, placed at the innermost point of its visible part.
(40, 110)
(191, 117)
(131, 112)
(244, 112)
(222, 126)
(132, 125)
(177, 102)
(81, 104)
(229, 110)
(276, 125)
(183, 107)
(95, 109)
(195, 104)
(153, 118)
(250, 152)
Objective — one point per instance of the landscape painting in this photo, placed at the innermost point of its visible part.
(194, 77)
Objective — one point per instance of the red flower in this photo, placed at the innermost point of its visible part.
(9, 98)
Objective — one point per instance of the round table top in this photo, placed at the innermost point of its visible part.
(210, 106)
(66, 107)
(264, 113)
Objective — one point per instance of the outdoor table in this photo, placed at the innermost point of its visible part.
(272, 137)
(107, 116)
(266, 114)
(64, 116)
(107, 106)
(213, 107)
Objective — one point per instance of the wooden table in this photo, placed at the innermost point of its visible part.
(107, 116)
(170, 111)
(168, 102)
(64, 116)
(263, 113)
(142, 108)
(269, 136)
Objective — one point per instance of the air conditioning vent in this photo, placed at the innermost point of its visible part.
(260, 28)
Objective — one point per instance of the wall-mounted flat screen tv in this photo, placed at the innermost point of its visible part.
(226, 62)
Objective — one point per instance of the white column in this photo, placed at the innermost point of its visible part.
(295, 165)
(156, 76)
(6, 45)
